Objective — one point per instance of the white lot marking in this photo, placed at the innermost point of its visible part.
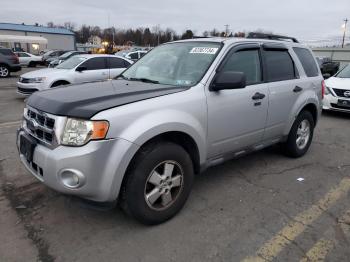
(10, 124)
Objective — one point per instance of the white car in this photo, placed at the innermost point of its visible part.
(77, 69)
(133, 55)
(337, 94)
(27, 59)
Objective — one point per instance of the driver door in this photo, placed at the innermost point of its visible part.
(96, 69)
(237, 117)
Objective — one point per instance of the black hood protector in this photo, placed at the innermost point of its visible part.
(86, 100)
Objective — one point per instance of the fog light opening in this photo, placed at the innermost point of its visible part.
(72, 178)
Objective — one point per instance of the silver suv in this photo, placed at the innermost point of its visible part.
(139, 139)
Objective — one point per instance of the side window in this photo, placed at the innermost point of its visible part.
(248, 62)
(95, 63)
(279, 65)
(307, 60)
(126, 64)
(142, 54)
(134, 56)
(24, 55)
(116, 63)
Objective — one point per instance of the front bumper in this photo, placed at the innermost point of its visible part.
(101, 163)
(27, 89)
(330, 102)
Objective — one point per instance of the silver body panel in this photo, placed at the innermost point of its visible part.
(223, 124)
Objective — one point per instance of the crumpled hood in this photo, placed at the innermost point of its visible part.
(339, 83)
(47, 72)
(86, 100)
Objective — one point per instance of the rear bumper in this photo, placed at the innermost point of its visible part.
(330, 102)
(100, 164)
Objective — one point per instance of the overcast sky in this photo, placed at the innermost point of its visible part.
(305, 19)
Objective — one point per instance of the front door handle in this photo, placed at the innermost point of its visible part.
(297, 89)
(258, 96)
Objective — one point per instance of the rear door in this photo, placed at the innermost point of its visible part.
(95, 69)
(236, 117)
(285, 86)
(116, 66)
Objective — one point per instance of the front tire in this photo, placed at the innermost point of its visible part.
(300, 135)
(158, 183)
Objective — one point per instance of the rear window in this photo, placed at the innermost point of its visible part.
(6, 52)
(307, 60)
(279, 65)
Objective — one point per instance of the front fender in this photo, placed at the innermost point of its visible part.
(156, 123)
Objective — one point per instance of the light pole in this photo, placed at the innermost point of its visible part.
(344, 26)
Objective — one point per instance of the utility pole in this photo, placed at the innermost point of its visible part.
(158, 29)
(226, 30)
(345, 23)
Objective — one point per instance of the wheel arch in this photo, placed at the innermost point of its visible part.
(59, 81)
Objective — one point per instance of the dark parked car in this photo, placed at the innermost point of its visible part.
(48, 57)
(64, 57)
(9, 62)
(327, 66)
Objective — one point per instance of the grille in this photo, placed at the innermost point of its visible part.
(341, 92)
(40, 126)
(26, 91)
(340, 107)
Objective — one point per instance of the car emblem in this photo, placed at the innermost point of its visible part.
(347, 93)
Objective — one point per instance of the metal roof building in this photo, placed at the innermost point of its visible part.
(57, 38)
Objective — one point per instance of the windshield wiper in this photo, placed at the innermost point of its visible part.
(122, 76)
(142, 79)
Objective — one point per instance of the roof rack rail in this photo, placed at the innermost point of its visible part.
(271, 37)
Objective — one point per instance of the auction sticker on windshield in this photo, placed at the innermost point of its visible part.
(204, 50)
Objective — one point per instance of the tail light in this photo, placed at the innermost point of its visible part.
(323, 88)
(15, 59)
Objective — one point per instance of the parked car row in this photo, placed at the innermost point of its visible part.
(77, 69)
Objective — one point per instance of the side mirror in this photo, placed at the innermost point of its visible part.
(81, 68)
(228, 80)
(326, 76)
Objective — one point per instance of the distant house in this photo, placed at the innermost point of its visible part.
(33, 38)
(95, 40)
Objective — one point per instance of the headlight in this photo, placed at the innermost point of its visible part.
(327, 91)
(36, 80)
(79, 132)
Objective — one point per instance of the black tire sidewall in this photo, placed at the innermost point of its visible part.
(291, 145)
(143, 165)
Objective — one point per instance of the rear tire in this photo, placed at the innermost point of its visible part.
(4, 71)
(300, 135)
(32, 64)
(158, 183)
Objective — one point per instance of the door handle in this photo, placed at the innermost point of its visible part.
(297, 89)
(258, 96)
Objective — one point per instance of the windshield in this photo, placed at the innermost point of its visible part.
(71, 62)
(344, 73)
(179, 64)
(65, 55)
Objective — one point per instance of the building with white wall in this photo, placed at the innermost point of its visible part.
(34, 38)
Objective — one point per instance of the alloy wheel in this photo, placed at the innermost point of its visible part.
(164, 185)
(303, 134)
